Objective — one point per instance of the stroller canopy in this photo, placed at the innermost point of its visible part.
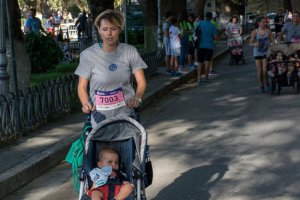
(121, 128)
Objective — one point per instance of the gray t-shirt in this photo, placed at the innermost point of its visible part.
(292, 32)
(166, 25)
(107, 71)
(233, 30)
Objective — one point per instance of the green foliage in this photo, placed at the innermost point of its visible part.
(43, 52)
(74, 10)
(59, 70)
(134, 37)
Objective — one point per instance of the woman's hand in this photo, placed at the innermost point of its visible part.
(87, 108)
(255, 44)
(135, 102)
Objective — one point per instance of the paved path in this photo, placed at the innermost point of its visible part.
(222, 141)
(46, 147)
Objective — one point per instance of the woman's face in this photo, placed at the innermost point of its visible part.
(109, 32)
(279, 56)
(296, 18)
(234, 20)
(262, 23)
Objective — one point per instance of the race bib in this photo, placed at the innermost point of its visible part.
(295, 39)
(109, 100)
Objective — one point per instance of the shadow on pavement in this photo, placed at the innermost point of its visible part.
(195, 183)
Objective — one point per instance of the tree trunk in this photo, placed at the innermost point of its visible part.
(287, 5)
(98, 6)
(200, 4)
(22, 60)
(150, 18)
(149, 8)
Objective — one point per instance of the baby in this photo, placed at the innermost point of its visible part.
(108, 171)
(279, 62)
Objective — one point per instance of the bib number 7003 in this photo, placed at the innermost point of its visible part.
(109, 100)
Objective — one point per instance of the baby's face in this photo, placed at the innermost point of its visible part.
(109, 159)
(279, 56)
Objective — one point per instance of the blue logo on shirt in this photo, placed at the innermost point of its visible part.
(112, 67)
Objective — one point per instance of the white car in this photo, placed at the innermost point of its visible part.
(271, 17)
(251, 18)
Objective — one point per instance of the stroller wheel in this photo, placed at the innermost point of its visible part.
(273, 88)
(243, 61)
(277, 88)
(296, 86)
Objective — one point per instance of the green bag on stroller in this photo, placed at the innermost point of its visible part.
(75, 155)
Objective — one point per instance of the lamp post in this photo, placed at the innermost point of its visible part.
(125, 22)
(159, 39)
(245, 19)
(3, 61)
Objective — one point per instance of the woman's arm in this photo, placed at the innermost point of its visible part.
(241, 30)
(141, 87)
(252, 39)
(271, 36)
(87, 107)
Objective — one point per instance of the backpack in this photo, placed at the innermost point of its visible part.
(197, 36)
(75, 156)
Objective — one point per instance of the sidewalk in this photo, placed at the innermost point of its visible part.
(30, 157)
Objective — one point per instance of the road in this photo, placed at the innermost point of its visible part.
(221, 141)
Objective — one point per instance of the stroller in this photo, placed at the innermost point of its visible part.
(236, 50)
(129, 138)
(284, 67)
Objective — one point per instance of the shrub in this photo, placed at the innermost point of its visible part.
(43, 52)
(134, 37)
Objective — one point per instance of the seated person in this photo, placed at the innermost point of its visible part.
(109, 173)
(279, 63)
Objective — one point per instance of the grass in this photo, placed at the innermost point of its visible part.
(59, 70)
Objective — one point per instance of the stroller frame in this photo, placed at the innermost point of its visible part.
(121, 132)
(283, 80)
(236, 44)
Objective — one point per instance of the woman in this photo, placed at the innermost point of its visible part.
(184, 38)
(234, 29)
(107, 67)
(234, 39)
(260, 39)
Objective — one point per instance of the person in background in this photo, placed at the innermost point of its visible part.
(279, 21)
(214, 22)
(81, 24)
(291, 30)
(175, 47)
(49, 25)
(166, 40)
(56, 19)
(191, 48)
(206, 47)
(260, 39)
(184, 38)
(33, 24)
(196, 46)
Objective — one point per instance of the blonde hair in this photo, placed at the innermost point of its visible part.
(114, 17)
(107, 150)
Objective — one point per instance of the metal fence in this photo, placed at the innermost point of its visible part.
(52, 98)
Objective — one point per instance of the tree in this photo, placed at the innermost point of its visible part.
(149, 8)
(200, 4)
(287, 5)
(98, 6)
(22, 59)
